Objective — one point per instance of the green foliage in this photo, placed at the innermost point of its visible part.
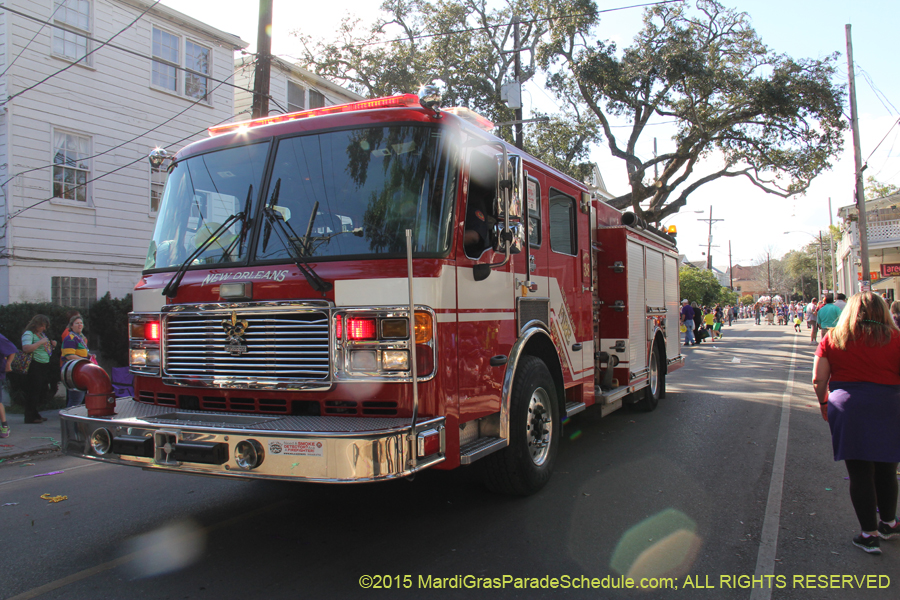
(727, 297)
(747, 299)
(771, 119)
(699, 285)
(876, 189)
(472, 66)
(109, 321)
(765, 116)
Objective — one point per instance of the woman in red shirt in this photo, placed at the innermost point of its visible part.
(856, 375)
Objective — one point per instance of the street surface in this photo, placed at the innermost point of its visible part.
(701, 491)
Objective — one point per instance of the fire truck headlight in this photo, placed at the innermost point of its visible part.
(248, 454)
(395, 360)
(144, 357)
(139, 357)
(101, 441)
(363, 360)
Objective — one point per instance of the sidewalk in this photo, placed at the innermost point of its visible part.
(30, 439)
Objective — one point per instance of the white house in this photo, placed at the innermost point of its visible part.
(78, 197)
(883, 226)
(291, 88)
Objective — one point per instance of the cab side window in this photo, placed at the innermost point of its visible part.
(533, 200)
(479, 204)
(562, 223)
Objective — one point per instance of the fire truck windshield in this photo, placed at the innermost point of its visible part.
(355, 192)
(201, 193)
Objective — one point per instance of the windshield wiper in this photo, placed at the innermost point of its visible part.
(245, 226)
(171, 289)
(300, 253)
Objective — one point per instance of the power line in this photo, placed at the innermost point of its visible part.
(108, 150)
(488, 27)
(878, 93)
(69, 66)
(117, 169)
(122, 49)
(36, 33)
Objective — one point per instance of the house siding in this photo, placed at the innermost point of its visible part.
(113, 104)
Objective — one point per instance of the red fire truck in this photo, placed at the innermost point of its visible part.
(359, 292)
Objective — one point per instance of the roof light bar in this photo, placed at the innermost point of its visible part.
(399, 101)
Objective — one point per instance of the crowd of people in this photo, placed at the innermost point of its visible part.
(35, 366)
(699, 323)
(856, 379)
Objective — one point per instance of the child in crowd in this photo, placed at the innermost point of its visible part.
(798, 320)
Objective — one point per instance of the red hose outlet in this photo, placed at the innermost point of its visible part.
(84, 375)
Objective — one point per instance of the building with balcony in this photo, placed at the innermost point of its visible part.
(883, 228)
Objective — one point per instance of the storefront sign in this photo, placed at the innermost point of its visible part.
(873, 275)
(889, 269)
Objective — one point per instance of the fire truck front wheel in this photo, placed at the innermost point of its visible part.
(525, 466)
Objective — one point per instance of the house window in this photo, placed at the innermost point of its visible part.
(562, 223)
(316, 99)
(76, 14)
(197, 60)
(78, 292)
(166, 59)
(296, 97)
(71, 169)
(157, 185)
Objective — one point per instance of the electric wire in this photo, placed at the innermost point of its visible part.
(127, 51)
(117, 146)
(119, 168)
(501, 25)
(36, 33)
(69, 66)
(882, 97)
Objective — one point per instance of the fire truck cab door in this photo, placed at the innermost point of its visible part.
(558, 243)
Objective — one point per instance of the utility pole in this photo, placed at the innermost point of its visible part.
(730, 274)
(768, 273)
(709, 240)
(263, 61)
(833, 259)
(822, 271)
(518, 74)
(860, 191)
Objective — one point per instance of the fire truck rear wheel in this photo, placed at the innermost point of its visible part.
(654, 390)
(525, 466)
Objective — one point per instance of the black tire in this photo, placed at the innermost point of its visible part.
(654, 390)
(525, 466)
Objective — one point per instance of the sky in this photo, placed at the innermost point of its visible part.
(753, 222)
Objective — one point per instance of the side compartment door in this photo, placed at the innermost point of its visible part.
(673, 338)
(637, 307)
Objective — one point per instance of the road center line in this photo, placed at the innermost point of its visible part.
(768, 539)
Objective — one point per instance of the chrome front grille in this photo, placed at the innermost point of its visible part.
(284, 349)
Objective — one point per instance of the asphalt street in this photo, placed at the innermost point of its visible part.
(732, 476)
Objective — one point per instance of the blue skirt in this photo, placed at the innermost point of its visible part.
(865, 421)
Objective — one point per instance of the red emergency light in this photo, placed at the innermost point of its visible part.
(360, 329)
(152, 330)
(399, 101)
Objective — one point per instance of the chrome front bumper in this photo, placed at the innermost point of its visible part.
(322, 449)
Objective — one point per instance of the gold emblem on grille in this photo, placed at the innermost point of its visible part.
(234, 331)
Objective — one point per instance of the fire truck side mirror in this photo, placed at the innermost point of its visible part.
(509, 191)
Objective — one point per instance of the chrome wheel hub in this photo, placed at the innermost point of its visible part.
(539, 426)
